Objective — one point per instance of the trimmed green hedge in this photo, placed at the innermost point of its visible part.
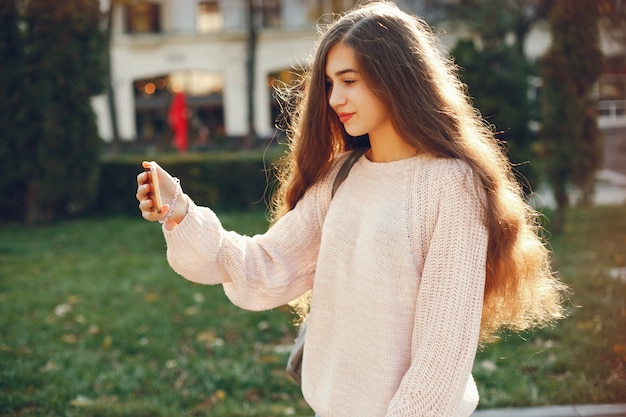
(221, 180)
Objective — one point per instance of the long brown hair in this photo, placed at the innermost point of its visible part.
(400, 59)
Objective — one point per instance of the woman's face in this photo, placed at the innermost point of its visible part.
(360, 111)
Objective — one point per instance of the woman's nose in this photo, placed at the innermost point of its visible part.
(336, 98)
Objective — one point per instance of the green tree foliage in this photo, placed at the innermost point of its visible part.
(569, 69)
(496, 76)
(492, 20)
(58, 55)
(497, 71)
(16, 131)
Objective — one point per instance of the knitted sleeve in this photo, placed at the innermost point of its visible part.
(258, 272)
(449, 302)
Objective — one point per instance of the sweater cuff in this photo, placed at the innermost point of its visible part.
(170, 225)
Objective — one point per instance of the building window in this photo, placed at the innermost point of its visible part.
(612, 87)
(143, 17)
(209, 18)
(203, 92)
(270, 13)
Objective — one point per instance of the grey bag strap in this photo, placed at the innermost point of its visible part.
(346, 167)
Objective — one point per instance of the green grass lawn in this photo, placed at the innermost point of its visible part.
(93, 322)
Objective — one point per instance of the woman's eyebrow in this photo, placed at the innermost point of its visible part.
(345, 71)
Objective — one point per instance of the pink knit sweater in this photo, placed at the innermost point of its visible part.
(397, 268)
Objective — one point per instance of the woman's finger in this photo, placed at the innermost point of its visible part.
(168, 187)
(166, 181)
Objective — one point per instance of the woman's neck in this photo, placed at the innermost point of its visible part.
(390, 147)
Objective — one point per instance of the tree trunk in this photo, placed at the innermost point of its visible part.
(36, 211)
(250, 73)
(110, 89)
(562, 202)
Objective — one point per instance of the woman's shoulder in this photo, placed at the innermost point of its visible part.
(346, 157)
(445, 169)
(341, 157)
(446, 164)
(449, 175)
(322, 189)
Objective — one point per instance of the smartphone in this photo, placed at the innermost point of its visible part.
(156, 191)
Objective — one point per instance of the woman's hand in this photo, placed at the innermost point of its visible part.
(169, 188)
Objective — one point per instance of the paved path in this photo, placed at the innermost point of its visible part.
(610, 179)
(610, 190)
(615, 149)
(599, 410)
(602, 410)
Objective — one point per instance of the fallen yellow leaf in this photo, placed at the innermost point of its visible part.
(206, 336)
(106, 343)
(151, 297)
(220, 394)
(49, 366)
(192, 311)
(69, 338)
(81, 401)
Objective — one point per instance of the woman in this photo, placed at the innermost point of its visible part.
(426, 250)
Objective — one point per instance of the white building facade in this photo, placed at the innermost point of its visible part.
(201, 48)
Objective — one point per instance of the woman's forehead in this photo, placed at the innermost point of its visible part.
(340, 60)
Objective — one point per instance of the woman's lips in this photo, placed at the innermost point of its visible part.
(344, 117)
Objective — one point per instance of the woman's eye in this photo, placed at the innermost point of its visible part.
(349, 81)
